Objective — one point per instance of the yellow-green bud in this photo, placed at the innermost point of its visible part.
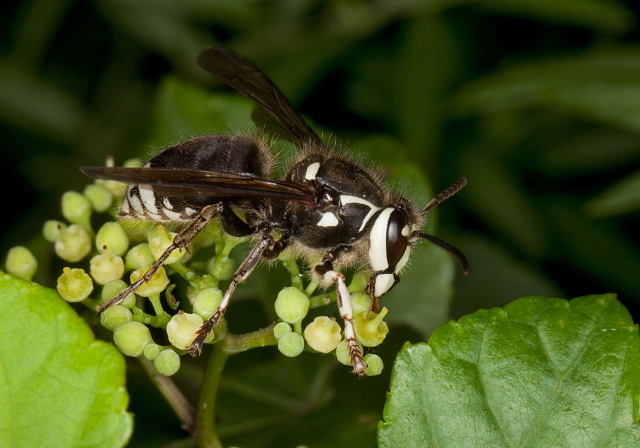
(160, 240)
(361, 302)
(99, 197)
(114, 316)
(358, 282)
(131, 338)
(112, 236)
(115, 287)
(156, 285)
(291, 344)
(207, 302)
(374, 364)
(281, 329)
(182, 328)
(342, 353)
(74, 285)
(51, 230)
(106, 267)
(167, 362)
(21, 262)
(292, 305)
(73, 243)
(151, 351)
(323, 334)
(133, 162)
(76, 208)
(139, 256)
(228, 269)
(370, 328)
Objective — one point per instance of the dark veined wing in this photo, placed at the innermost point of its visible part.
(240, 73)
(186, 182)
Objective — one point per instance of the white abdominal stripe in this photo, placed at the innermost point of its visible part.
(141, 202)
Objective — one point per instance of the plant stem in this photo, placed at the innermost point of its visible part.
(206, 433)
(183, 409)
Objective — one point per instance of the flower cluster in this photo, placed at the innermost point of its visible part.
(114, 256)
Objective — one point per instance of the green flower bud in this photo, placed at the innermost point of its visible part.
(160, 240)
(374, 364)
(281, 329)
(117, 189)
(207, 302)
(292, 305)
(361, 302)
(106, 267)
(167, 362)
(139, 256)
(323, 334)
(21, 262)
(133, 162)
(114, 316)
(151, 351)
(99, 197)
(359, 282)
(182, 328)
(51, 230)
(131, 338)
(156, 285)
(73, 243)
(291, 344)
(370, 328)
(115, 287)
(342, 353)
(112, 236)
(228, 269)
(74, 285)
(76, 208)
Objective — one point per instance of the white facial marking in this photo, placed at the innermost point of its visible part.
(346, 199)
(384, 282)
(189, 211)
(406, 231)
(312, 171)
(328, 220)
(166, 203)
(378, 241)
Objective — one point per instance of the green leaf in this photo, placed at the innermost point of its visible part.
(605, 16)
(622, 197)
(59, 387)
(539, 372)
(183, 110)
(600, 85)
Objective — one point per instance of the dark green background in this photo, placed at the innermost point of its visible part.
(537, 102)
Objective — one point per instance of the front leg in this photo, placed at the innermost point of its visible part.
(328, 273)
(242, 273)
(180, 241)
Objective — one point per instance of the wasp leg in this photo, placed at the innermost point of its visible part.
(326, 270)
(180, 241)
(242, 273)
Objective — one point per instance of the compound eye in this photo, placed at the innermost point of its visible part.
(396, 242)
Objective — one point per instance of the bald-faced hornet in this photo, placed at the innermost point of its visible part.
(329, 209)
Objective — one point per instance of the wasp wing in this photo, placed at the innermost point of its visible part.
(240, 73)
(187, 182)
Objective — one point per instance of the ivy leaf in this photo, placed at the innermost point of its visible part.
(538, 372)
(59, 387)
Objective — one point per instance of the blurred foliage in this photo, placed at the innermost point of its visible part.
(536, 102)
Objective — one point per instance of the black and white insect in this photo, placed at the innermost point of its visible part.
(328, 209)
